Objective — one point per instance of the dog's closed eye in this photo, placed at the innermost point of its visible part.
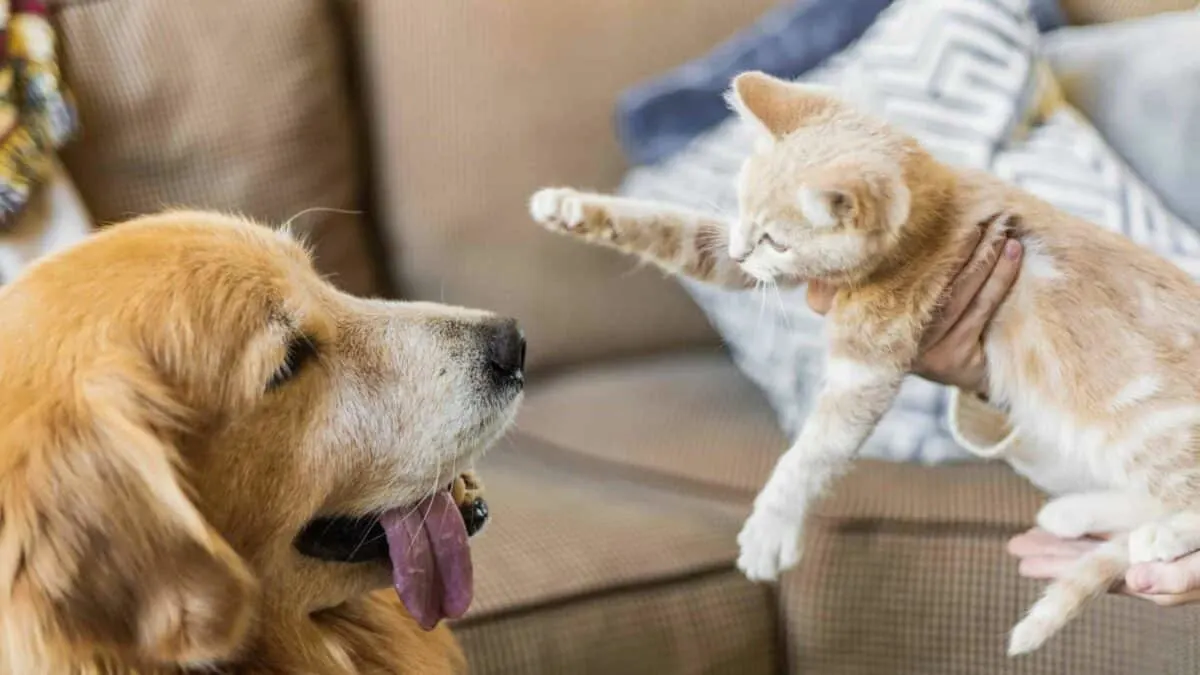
(300, 350)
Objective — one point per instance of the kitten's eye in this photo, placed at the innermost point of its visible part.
(300, 350)
(766, 239)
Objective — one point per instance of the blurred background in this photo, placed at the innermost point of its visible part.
(426, 124)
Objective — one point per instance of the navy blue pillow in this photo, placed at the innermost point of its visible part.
(660, 116)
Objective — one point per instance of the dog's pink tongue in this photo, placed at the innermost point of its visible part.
(431, 560)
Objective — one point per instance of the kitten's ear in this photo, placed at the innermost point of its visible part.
(777, 107)
(824, 207)
(853, 198)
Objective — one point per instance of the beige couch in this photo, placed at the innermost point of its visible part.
(617, 501)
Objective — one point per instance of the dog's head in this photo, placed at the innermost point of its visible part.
(196, 429)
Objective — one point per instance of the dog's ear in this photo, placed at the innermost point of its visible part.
(100, 538)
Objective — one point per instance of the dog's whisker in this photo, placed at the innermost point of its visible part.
(286, 227)
(424, 517)
(361, 542)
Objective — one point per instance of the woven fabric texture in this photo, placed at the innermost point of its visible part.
(692, 417)
(222, 104)
(1107, 11)
(476, 106)
(560, 530)
(717, 623)
(891, 598)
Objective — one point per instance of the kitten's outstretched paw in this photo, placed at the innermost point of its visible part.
(769, 543)
(567, 211)
(1158, 542)
(557, 208)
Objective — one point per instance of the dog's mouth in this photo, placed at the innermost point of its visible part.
(425, 545)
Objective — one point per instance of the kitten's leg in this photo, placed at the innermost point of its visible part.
(1174, 478)
(1168, 538)
(1088, 577)
(677, 240)
(854, 397)
(1073, 516)
(1076, 515)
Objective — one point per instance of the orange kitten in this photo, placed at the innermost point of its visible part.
(1093, 352)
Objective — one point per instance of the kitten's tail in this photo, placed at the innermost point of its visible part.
(1091, 576)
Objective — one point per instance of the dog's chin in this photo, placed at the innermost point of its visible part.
(422, 546)
(361, 538)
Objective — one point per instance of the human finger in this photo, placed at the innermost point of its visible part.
(965, 284)
(1040, 543)
(820, 297)
(1044, 567)
(979, 311)
(1170, 578)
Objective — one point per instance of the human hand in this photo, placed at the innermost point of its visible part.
(952, 347)
(1045, 556)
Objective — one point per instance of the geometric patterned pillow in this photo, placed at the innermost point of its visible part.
(964, 77)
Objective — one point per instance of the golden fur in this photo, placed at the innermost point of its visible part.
(1094, 351)
(151, 484)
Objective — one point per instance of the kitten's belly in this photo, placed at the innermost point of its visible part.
(1054, 467)
(1057, 452)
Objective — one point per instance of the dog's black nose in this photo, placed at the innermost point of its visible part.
(475, 515)
(506, 347)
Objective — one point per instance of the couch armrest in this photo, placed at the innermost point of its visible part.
(475, 105)
(1107, 11)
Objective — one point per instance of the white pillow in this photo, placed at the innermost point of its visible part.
(1138, 82)
(965, 78)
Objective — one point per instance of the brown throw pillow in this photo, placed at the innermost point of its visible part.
(221, 104)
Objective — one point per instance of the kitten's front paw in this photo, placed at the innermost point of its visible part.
(1066, 517)
(566, 210)
(769, 543)
(1158, 542)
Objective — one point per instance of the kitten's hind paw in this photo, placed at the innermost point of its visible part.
(769, 543)
(1159, 541)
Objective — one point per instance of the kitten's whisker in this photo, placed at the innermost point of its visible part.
(787, 318)
(760, 287)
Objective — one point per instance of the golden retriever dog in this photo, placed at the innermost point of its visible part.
(211, 460)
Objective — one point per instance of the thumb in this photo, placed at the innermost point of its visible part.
(1180, 576)
(820, 297)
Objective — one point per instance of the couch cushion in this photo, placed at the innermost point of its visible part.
(1105, 11)
(692, 422)
(477, 104)
(987, 494)
(561, 529)
(1132, 76)
(581, 566)
(690, 417)
(221, 104)
(713, 623)
(876, 597)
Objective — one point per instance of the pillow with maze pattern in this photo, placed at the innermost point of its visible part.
(965, 78)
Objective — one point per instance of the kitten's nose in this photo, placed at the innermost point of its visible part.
(738, 254)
